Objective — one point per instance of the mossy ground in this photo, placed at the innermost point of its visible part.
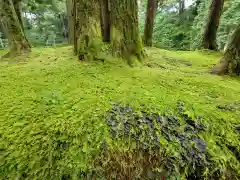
(52, 107)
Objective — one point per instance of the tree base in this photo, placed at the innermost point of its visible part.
(15, 54)
(221, 68)
(7, 55)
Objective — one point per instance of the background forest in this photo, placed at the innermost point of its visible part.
(119, 89)
(178, 25)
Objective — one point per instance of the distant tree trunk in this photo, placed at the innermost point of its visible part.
(17, 40)
(87, 27)
(105, 20)
(195, 10)
(181, 7)
(149, 22)
(210, 33)
(70, 17)
(140, 4)
(230, 63)
(4, 27)
(141, 8)
(125, 38)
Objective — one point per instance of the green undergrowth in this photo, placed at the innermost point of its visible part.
(53, 110)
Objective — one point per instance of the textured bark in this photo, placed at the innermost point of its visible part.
(17, 40)
(149, 22)
(210, 33)
(18, 10)
(105, 20)
(125, 38)
(70, 17)
(87, 29)
(230, 63)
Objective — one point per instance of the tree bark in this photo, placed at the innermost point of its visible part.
(17, 40)
(87, 28)
(125, 38)
(149, 22)
(18, 9)
(210, 33)
(105, 20)
(230, 63)
(70, 17)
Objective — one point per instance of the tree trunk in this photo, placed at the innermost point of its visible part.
(149, 22)
(4, 28)
(18, 10)
(210, 33)
(125, 38)
(141, 9)
(230, 63)
(181, 7)
(17, 40)
(105, 20)
(87, 28)
(70, 17)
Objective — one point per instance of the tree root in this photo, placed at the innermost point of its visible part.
(221, 68)
(7, 55)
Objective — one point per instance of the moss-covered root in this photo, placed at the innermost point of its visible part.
(125, 38)
(230, 63)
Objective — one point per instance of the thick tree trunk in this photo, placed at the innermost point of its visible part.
(149, 22)
(87, 28)
(210, 33)
(18, 10)
(125, 38)
(105, 20)
(230, 63)
(17, 40)
(70, 17)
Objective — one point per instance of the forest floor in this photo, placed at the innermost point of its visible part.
(53, 107)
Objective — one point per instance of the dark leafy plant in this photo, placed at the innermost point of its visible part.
(149, 136)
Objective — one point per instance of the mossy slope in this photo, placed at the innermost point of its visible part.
(52, 107)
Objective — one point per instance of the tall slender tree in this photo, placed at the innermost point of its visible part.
(230, 63)
(70, 15)
(210, 33)
(181, 7)
(105, 20)
(125, 37)
(149, 22)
